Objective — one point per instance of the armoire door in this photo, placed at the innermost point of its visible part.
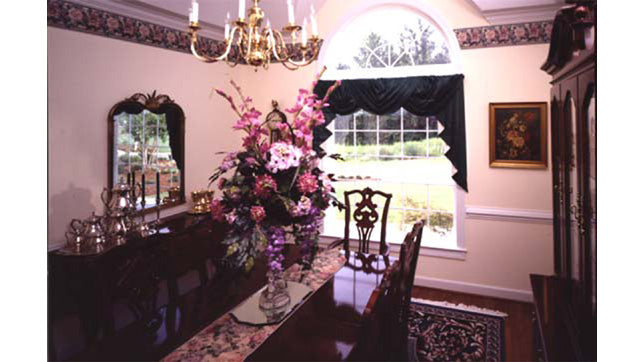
(558, 178)
(588, 93)
(572, 245)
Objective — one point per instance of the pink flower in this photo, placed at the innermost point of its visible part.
(231, 217)
(128, 28)
(302, 208)
(327, 186)
(490, 34)
(264, 185)
(112, 23)
(221, 183)
(257, 213)
(217, 210)
(519, 33)
(144, 31)
(283, 156)
(228, 162)
(307, 183)
(75, 14)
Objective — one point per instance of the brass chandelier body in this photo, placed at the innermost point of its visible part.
(258, 45)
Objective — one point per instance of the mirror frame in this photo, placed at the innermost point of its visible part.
(158, 104)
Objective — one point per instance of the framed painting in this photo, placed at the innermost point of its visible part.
(519, 135)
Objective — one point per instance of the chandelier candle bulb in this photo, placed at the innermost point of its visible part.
(242, 9)
(194, 15)
(304, 33)
(291, 13)
(314, 23)
(227, 27)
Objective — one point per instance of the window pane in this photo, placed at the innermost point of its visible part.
(412, 121)
(412, 216)
(390, 121)
(441, 222)
(415, 196)
(366, 143)
(394, 221)
(343, 122)
(433, 123)
(365, 120)
(441, 198)
(415, 144)
(437, 146)
(390, 144)
(343, 143)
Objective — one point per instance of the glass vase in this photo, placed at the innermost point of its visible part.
(274, 298)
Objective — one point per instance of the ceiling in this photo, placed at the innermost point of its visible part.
(212, 13)
(514, 11)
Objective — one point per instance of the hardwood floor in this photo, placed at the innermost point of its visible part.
(518, 325)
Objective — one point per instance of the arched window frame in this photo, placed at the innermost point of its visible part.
(457, 251)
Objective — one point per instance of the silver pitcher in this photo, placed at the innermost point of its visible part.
(90, 231)
(122, 199)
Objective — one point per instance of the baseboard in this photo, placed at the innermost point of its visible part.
(471, 288)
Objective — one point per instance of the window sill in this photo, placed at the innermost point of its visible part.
(442, 251)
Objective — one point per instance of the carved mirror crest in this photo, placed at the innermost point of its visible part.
(146, 142)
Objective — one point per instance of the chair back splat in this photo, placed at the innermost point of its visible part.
(366, 216)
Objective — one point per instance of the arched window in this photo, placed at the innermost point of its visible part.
(391, 41)
(399, 153)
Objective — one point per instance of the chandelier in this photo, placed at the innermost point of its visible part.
(250, 42)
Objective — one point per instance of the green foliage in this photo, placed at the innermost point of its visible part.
(410, 148)
(441, 222)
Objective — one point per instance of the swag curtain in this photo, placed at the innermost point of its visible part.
(439, 96)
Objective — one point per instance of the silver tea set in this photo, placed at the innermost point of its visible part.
(93, 233)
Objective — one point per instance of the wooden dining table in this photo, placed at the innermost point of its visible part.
(325, 326)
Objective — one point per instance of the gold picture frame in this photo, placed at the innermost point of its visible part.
(519, 135)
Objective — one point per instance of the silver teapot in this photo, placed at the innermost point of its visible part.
(122, 199)
(89, 231)
(118, 225)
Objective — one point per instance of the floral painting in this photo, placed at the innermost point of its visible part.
(518, 135)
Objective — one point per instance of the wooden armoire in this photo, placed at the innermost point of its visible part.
(566, 303)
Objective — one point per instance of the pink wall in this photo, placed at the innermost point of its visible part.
(87, 75)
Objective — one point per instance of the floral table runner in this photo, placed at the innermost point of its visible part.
(225, 339)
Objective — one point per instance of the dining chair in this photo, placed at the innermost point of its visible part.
(402, 289)
(374, 342)
(365, 215)
(384, 333)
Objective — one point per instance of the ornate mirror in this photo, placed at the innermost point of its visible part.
(146, 146)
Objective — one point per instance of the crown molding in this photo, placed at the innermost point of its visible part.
(152, 14)
(522, 14)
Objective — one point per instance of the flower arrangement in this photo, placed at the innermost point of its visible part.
(274, 189)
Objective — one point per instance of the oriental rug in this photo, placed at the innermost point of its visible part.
(449, 332)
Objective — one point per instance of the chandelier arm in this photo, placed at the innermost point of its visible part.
(206, 58)
(282, 45)
(304, 62)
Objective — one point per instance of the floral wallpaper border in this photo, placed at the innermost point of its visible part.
(504, 35)
(66, 15)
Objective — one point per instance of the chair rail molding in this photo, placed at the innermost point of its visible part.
(506, 214)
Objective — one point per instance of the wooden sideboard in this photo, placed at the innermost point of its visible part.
(89, 285)
(566, 303)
